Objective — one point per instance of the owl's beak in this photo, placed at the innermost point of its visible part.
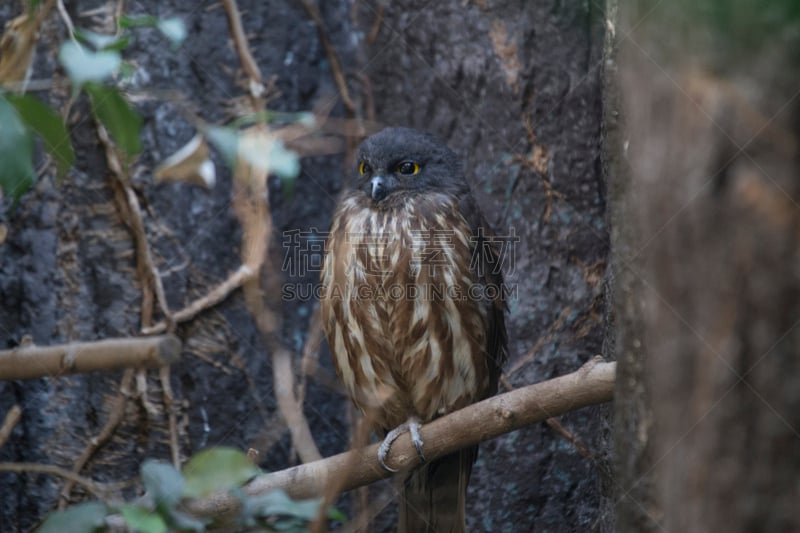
(379, 189)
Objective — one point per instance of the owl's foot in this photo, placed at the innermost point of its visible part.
(412, 425)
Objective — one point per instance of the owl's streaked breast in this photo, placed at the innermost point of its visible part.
(406, 333)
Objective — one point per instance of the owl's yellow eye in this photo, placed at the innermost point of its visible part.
(408, 168)
(363, 168)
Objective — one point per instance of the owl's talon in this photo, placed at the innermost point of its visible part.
(382, 451)
(413, 427)
(386, 445)
(416, 438)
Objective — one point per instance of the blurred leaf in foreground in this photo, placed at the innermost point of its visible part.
(163, 482)
(83, 518)
(217, 469)
(47, 125)
(16, 153)
(144, 520)
(122, 121)
(84, 65)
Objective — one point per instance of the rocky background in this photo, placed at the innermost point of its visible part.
(514, 86)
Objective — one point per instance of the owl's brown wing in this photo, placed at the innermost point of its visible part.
(487, 263)
(434, 497)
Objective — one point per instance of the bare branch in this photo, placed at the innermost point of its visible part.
(237, 32)
(256, 220)
(67, 20)
(97, 490)
(12, 418)
(336, 65)
(310, 360)
(169, 406)
(591, 384)
(98, 441)
(131, 214)
(28, 362)
(290, 407)
(243, 274)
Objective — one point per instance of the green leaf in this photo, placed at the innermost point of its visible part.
(184, 522)
(226, 140)
(304, 118)
(47, 125)
(83, 65)
(16, 153)
(82, 518)
(120, 44)
(336, 514)
(102, 41)
(122, 121)
(143, 520)
(163, 482)
(126, 71)
(173, 29)
(284, 514)
(217, 469)
(138, 21)
(278, 503)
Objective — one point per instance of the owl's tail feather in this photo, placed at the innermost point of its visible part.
(433, 497)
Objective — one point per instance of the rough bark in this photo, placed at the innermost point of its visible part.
(514, 86)
(511, 64)
(709, 93)
(633, 414)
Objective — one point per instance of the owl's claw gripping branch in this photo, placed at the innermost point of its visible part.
(413, 426)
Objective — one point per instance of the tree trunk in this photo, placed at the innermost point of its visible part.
(710, 440)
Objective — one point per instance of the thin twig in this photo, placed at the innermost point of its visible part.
(376, 25)
(591, 384)
(12, 419)
(132, 216)
(151, 283)
(215, 296)
(169, 405)
(336, 66)
(256, 220)
(360, 430)
(144, 251)
(97, 490)
(67, 20)
(240, 41)
(95, 443)
(118, 13)
(556, 425)
(310, 360)
(291, 409)
(142, 396)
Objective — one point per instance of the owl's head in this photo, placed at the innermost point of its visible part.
(396, 162)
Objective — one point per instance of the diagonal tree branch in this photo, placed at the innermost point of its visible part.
(591, 384)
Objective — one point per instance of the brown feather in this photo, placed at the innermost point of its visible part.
(433, 499)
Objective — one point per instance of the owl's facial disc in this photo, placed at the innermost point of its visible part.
(397, 164)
